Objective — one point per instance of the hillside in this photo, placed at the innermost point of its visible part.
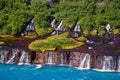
(91, 14)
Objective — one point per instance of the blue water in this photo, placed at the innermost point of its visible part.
(30, 72)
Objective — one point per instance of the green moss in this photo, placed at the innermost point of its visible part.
(1, 42)
(116, 31)
(31, 35)
(54, 42)
(82, 39)
(43, 31)
(101, 33)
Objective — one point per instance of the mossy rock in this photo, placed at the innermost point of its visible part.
(116, 31)
(55, 42)
(101, 33)
(44, 31)
(1, 42)
(82, 39)
(31, 35)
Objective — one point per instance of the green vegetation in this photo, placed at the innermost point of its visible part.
(116, 31)
(31, 35)
(1, 42)
(82, 39)
(16, 14)
(55, 42)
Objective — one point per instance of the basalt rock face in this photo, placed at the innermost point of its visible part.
(39, 58)
(50, 57)
(80, 60)
(14, 56)
(76, 59)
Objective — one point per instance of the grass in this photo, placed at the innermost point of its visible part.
(116, 31)
(6, 36)
(82, 39)
(31, 35)
(44, 31)
(55, 42)
(1, 42)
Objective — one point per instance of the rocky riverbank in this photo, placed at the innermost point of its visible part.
(101, 53)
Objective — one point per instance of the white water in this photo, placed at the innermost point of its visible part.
(119, 63)
(32, 21)
(21, 60)
(60, 26)
(108, 28)
(50, 58)
(38, 66)
(14, 52)
(77, 28)
(1, 57)
(53, 23)
(27, 58)
(85, 63)
(65, 58)
(62, 58)
(30, 25)
(108, 63)
(70, 63)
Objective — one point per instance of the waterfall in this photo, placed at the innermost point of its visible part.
(60, 26)
(70, 63)
(53, 23)
(85, 63)
(1, 57)
(119, 63)
(62, 58)
(108, 63)
(108, 28)
(27, 58)
(65, 58)
(14, 52)
(77, 28)
(30, 26)
(50, 56)
(21, 60)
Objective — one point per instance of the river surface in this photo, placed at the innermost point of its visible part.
(52, 72)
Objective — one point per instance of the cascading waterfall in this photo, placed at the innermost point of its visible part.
(108, 28)
(1, 57)
(65, 58)
(27, 58)
(14, 52)
(53, 23)
(62, 58)
(70, 63)
(77, 28)
(60, 26)
(108, 63)
(85, 63)
(50, 58)
(21, 60)
(119, 63)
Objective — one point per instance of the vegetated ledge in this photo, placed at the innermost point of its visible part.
(54, 43)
